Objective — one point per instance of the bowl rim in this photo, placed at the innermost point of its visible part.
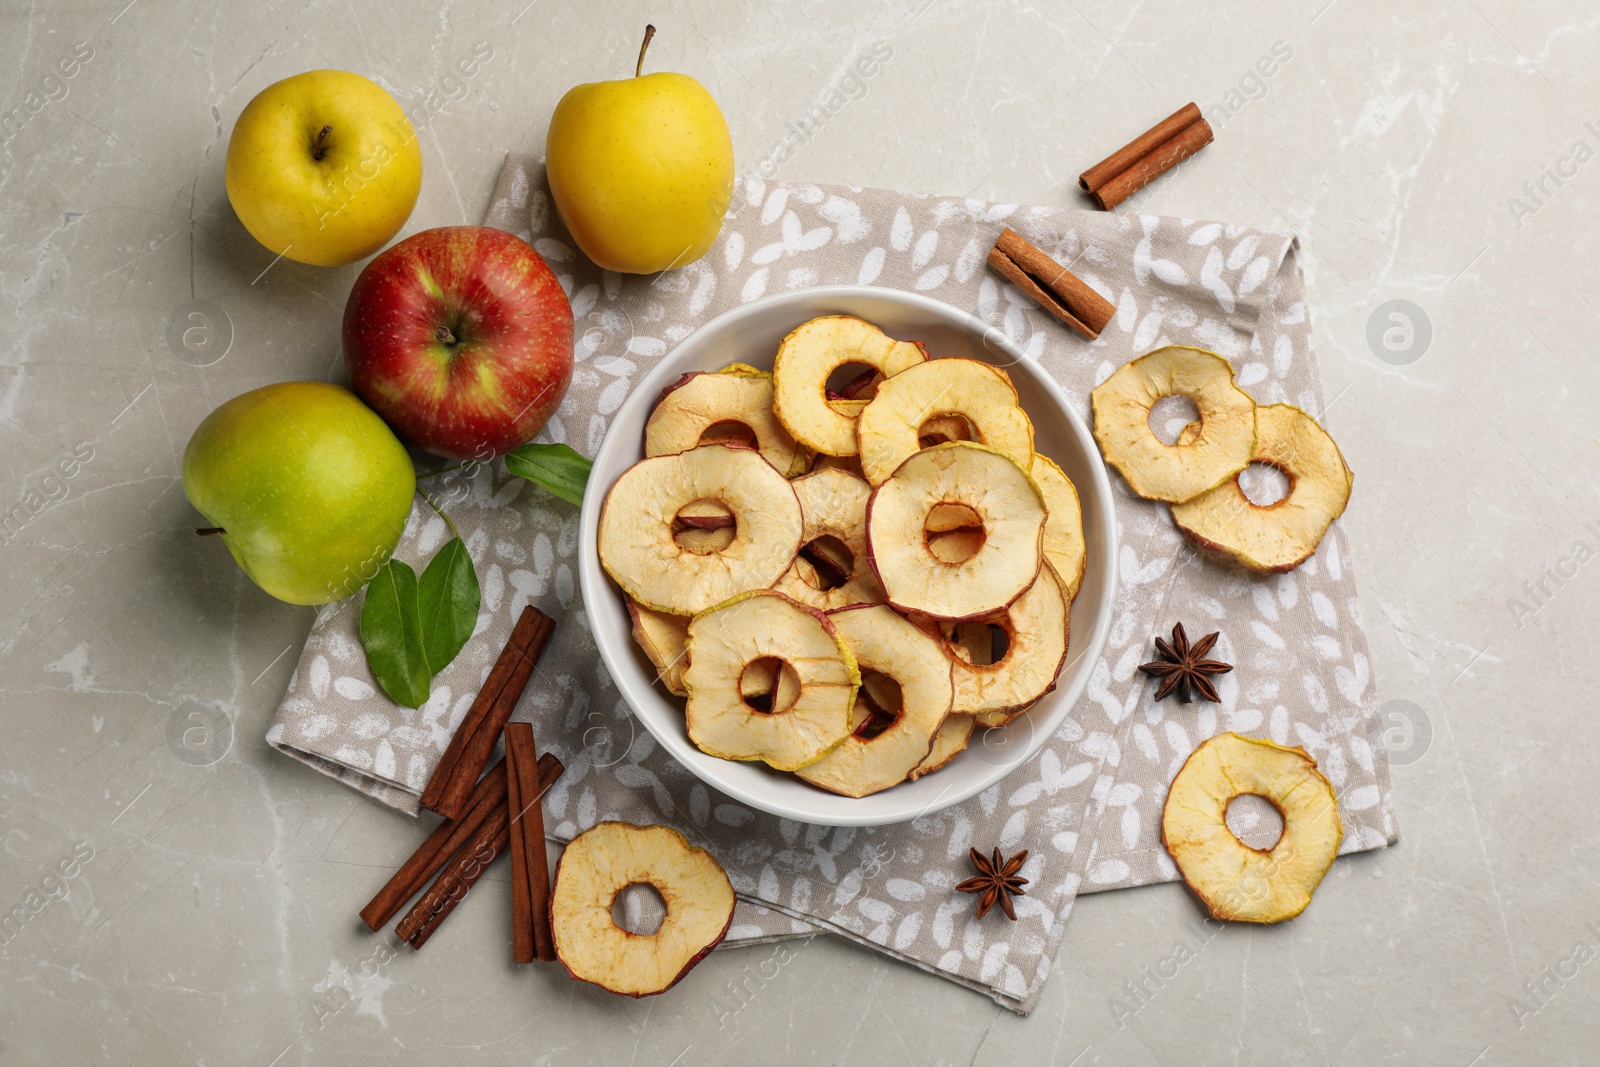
(594, 583)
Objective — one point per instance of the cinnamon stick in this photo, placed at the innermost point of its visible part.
(1147, 169)
(530, 869)
(463, 872)
(521, 904)
(1140, 146)
(457, 880)
(1052, 286)
(429, 859)
(475, 738)
(1147, 157)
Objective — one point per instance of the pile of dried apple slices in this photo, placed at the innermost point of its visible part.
(1198, 475)
(845, 580)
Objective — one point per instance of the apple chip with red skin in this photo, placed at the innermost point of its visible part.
(952, 395)
(1152, 468)
(951, 740)
(1007, 504)
(886, 743)
(638, 543)
(1036, 629)
(813, 351)
(733, 404)
(807, 681)
(1064, 546)
(976, 644)
(1276, 537)
(834, 544)
(662, 638)
(603, 861)
(1238, 882)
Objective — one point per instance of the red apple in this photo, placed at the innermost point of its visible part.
(461, 338)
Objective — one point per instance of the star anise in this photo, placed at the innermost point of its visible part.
(1184, 669)
(997, 880)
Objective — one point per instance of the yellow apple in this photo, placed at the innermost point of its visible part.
(641, 169)
(323, 167)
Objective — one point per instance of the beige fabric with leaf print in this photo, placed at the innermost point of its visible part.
(1088, 806)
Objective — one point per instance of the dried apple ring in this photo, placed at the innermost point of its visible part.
(1005, 499)
(801, 721)
(806, 358)
(1036, 629)
(948, 743)
(891, 425)
(1234, 880)
(638, 549)
(704, 406)
(603, 861)
(834, 504)
(976, 643)
(1064, 546)
(886, 743)
(661, 637)
(1174, 473)
(1282, 535)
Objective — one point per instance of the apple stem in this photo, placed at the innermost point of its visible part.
(649, 32)
(208, 531)
(445, 336)
(442, 470)
(443, 516)
(319, 147)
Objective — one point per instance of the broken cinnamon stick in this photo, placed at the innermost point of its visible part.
(429, 859)
(530, 868)
(1147, 157)
(463, 872)
(474, 740)
(1052, 286)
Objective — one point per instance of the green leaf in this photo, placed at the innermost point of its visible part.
(447, 595)
(555, 467)
(391, 631)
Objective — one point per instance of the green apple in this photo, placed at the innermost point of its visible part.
(323, 167)
(307, 487)
(641, 169)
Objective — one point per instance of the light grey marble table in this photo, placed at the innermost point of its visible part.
(1442, 158)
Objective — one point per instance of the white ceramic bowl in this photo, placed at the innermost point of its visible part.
(751, 334)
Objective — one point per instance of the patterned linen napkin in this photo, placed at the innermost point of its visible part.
(1088, 805)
